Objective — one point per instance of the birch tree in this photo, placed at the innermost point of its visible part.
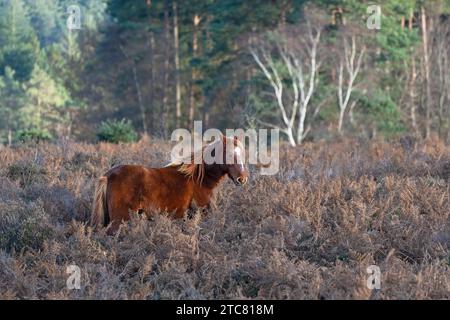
(299, 57)
(349, 64)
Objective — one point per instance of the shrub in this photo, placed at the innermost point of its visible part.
(308, 232)
(117, 131)
(26, 173)
(33, 135)
(23, 226)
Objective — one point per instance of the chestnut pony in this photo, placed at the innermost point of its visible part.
(128, 189)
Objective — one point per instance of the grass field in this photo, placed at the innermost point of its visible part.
(308, 232)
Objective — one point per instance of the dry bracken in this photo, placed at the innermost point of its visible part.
(309, 232)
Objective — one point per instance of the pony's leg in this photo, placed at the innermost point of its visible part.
(204, 204)
(206, 209)
(119, 215)
(179, 213)
(113, 227)
(193, 208)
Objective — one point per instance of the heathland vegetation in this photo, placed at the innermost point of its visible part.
(308, 232)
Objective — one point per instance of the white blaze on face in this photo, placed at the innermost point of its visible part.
(239, 158)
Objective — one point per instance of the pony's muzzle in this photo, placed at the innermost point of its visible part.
(240, 181)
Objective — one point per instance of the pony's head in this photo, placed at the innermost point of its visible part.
(225, 156)
(234, 159)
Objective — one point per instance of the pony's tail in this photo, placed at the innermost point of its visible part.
(99, 214)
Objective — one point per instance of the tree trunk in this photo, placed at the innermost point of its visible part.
(151, 47)
(164, 125)
(291, 137)
(9, 137)
(176, 47)
(351, 114)
(139, 95)
(206, 101)
(427, 72)
(341, 120)
(301, 125)
(152, 81)
(442, 56)
(412, 95)
(282, 22)
(412, 84)
(138, 90)
(69, 125)
(196, 22)
(206, 117)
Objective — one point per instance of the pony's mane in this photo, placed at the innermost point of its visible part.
(191, 166)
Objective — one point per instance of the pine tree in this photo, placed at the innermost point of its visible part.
(18, 42)
(12, 97)
(44, 108)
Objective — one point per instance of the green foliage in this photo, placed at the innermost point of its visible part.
(117, 131)
(18, 42)
(46, 100)
(45, 19)
(21, 60)
(33, 135)
(12, 97)
(41, 63)
(396, 43)
(396, 48)
(379, 108)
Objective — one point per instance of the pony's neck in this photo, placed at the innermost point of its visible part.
(213, 175)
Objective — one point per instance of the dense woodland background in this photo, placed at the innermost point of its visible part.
(311, 68)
